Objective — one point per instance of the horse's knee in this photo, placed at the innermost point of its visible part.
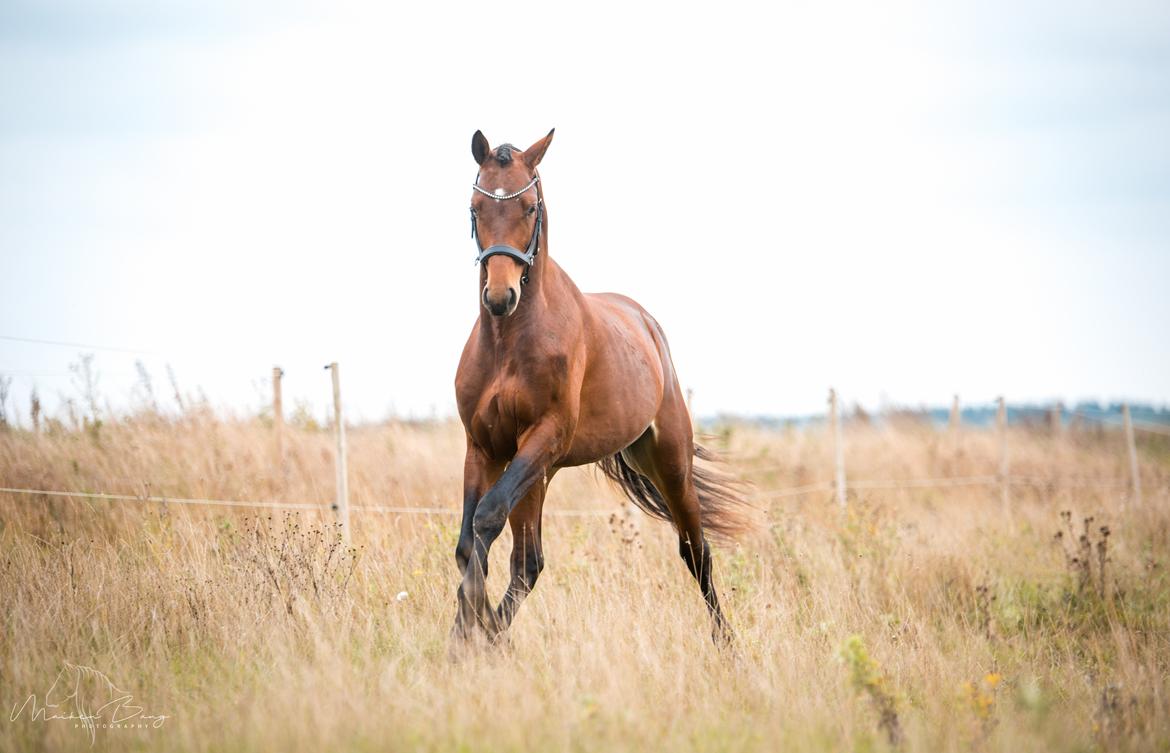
(463, 552)
(490, 517)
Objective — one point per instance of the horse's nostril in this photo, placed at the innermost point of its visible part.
(501, 305)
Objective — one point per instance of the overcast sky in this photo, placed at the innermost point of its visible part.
(900, 201)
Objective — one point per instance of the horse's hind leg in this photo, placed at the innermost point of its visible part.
(665, 454)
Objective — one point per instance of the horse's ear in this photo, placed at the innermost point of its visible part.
(535, 153)
(479, 147)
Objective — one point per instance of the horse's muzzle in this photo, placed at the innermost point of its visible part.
(501, 302)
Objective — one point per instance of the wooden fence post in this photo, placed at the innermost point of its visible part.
(35, 410)
(955, 423)
(1134, 470)
(838, 448)
(278, 421)
(341, 506)
(1004, 469)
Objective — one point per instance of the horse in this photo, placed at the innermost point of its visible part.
(551, 377)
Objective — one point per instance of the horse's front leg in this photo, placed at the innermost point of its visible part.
(538, 447)
(479, 473)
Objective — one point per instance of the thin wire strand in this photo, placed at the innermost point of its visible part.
(83, 346)
(1081, 483)
(168, 500)
(273, 505)
(916, 483)
(1137, 425)
(763, 495)
(796, 491)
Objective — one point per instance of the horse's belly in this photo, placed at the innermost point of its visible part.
(617, 404)
(594, 442)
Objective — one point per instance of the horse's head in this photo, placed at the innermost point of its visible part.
(506, 218)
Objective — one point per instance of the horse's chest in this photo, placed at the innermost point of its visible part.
(504, 410)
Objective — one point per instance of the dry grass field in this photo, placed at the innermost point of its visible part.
(922, 619)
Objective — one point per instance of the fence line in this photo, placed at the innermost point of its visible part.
(796, 491)
(321, 507)
(455, 511)
(761, 495)
(404, 510)
(168, 500)
(1075, 483)
(937, 483)
(925, 483)
(82, 346)
(1145, 426)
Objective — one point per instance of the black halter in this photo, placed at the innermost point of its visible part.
(527, 257)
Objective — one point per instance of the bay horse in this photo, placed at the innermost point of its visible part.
(551, 377)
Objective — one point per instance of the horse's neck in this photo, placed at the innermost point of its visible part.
(549, 288)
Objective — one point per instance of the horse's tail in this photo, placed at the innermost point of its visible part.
(724, 510)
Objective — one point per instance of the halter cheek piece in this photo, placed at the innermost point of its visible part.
(527, 257)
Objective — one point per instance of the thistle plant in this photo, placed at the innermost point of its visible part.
(1079, 553)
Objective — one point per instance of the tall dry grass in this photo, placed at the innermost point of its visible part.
(921, 619)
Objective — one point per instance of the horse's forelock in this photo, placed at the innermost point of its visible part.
(503, 154)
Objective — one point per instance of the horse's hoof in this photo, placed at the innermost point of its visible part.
(723, 636)
(502, 641)
(466, 641)
(462, 645)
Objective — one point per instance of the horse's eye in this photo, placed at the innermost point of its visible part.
(531, 210)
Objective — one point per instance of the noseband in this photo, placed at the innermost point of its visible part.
(528, 257)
